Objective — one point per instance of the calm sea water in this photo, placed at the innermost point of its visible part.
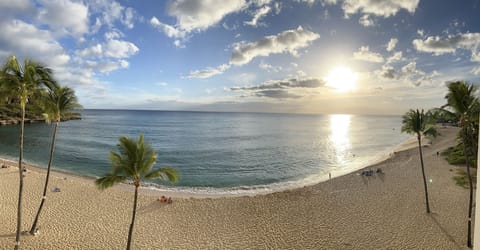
(217, 153)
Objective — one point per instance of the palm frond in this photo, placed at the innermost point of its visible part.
(109, 180)
(165, 174)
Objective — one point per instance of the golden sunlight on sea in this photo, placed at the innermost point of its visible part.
(339, 136)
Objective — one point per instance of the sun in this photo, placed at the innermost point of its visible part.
(342, 79)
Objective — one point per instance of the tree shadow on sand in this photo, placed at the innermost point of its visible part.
(444, 231)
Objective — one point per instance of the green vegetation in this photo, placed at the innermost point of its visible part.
(461, 179)
(57, 103)
(456, 156)
(463, 104)
(25, 95)
(419, 123)
(133, 162)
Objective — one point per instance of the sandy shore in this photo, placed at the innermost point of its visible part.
(349, 212)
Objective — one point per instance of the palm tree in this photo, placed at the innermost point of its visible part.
(23, 81)
(133, 162)
(59, 102)
(419, 123)
(461, 98)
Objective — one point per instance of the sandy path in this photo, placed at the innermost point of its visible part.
(349, 212)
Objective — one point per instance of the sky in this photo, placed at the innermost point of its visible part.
(296, 56)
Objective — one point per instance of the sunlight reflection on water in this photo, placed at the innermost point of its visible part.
(340, 137)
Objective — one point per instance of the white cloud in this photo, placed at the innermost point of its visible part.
(120, 49)
(287, 41)
(26, 40)
(259, 13)
(387, 72)
(268, 67)
(391, 44)
(475, 56)
(415, 76)
(107, 66)
(365, 54)
(208, 72)
(476, 71)
(113, 48)
(93, 51)
(448, 44)
(397, 56)
(384, 8)
(110, 12)
(366, 21)
(323, 2)
(281, 89)
(199, 15)
(168, 30)
(11, 8)
(64, 16)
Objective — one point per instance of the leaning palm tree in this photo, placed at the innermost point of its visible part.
(59, 102)
(133, 162)
(419, 123)
(23, 81)
(461, 99)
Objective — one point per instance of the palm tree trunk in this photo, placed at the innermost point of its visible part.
(470, 184)
(130, 231)
(423, 172)
(45, 188)
(20, 186)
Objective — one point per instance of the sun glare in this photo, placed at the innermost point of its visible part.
(342, 79)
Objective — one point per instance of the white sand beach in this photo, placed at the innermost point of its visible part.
(349, 212)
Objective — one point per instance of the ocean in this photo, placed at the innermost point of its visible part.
(217, 153)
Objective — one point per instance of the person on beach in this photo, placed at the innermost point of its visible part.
(169, 200)
(162, 199)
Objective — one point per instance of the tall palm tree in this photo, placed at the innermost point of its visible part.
(461, 99)
(23, 81)
(419, 123)
(133, 162)
(59, 102)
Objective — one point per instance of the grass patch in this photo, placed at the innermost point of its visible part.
(455, 156)
(461, 178)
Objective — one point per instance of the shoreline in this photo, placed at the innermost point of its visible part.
(382, 211)
(152, 189)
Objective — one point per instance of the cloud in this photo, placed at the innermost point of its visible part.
(285, 84)
(397, 56)
(168, 30)
(391, 44)
(475, 56)
(27, 41)
(476, 71)
(64, 16)
(107, 66)
(287, 41)
(280, 89)
(387, 72)
(208, 72)
(113, 48)
(107, 12)
(365, 54)
(276, 93)
(448, 44)
(14, 8)
(366, 21)
(415, 76)
(323, 2)
(199, 15)
(384, 8)
(268, 67)
(259, 14)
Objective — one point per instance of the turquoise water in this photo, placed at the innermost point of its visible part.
(217, 152)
